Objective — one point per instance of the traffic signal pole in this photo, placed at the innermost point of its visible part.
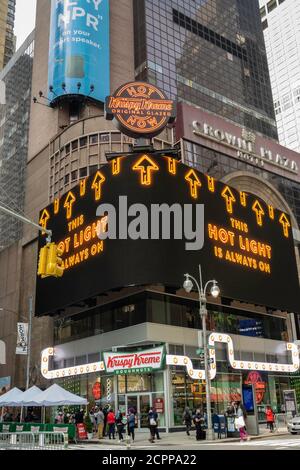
(26, 221)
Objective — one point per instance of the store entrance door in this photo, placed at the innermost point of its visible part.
(140, 403)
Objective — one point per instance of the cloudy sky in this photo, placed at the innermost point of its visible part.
(25, 19)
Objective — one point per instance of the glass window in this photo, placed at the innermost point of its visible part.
(93, 139)
(75, 145)
(83, 172)
(83, 142)
(271, 5)
(158, 382)
(138, 383)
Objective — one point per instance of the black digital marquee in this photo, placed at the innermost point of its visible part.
(248, 245)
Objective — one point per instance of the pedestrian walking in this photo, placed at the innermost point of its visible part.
(105, 412)
(156, 417)
(187, 419)
(131, 423)
(199, 422)
(152, 423)
(79, 415)
(240, 422)
(111, 422)
(270, 416)
(120, 425)
(99, 416)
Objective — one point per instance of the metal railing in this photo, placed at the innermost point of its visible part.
(33, 441)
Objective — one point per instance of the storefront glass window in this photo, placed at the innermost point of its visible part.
(179, 395)
(225, 389)
(121, 384)
(158, 382)
(138, 383)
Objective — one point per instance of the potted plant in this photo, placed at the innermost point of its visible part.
(88, 426)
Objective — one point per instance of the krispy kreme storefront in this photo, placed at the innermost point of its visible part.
(140, 382)
(171, 377)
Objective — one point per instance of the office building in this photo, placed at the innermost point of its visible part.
(14, 128)
(210, 54)
(281, 25)
(7, 38)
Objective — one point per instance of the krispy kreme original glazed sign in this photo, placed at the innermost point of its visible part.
(133, 363)
(140, 110)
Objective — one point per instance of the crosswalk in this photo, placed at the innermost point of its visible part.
(106, 448)
(286, 443)
(273, 443)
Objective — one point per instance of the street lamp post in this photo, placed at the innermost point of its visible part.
(215, 291)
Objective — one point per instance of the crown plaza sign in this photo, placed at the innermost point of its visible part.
(140, 109)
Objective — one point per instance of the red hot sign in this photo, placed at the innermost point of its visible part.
(135, 362)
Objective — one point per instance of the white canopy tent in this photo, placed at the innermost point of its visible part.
(57, 396)
(29, 395)
(11, 398)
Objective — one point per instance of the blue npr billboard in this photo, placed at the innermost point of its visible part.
(79, 54)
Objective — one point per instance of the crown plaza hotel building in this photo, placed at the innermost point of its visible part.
(209, 57)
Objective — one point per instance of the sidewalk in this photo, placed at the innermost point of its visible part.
(178, 439)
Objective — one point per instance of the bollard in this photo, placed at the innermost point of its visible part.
(128, 446)
(66, 441)
(41, 440)
(13, 439)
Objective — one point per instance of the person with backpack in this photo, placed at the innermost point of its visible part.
(120, 425)
(187, 419)
(131, 423)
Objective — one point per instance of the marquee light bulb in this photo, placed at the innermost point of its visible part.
(188, 285)
(215, 290)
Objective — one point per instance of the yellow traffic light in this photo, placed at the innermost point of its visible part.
(43, 259)
(54, 263)
(50, 262)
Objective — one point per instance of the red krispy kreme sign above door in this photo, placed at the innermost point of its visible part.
(134, 362)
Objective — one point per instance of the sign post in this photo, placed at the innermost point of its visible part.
(290, 403)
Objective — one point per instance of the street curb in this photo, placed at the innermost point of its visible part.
(114, 442)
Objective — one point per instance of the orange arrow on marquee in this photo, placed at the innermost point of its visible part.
(228, 195)
(257, 208)
(116, 166)
(271, 212)
(82, 187)
(97, 185)
(44, 219)
(70, 199)
(243, 197)
(211, 183)
(146, 166)
(172, 165)
(284, 221)
(56, 206)
(194, 182)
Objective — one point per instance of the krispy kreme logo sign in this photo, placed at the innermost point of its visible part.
(140, 109)
(136, 362)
